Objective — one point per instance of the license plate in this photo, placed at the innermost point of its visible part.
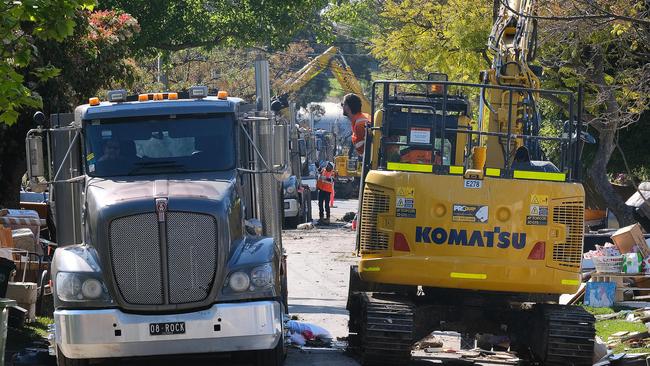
(167, 328)
(473, 183)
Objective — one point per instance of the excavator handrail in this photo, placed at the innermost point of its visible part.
(478, 85)
(568, 144)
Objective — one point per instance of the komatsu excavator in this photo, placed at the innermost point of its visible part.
(465, 222)
(347, 166)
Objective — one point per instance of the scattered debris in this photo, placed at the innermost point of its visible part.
(349, 216)
(305, 226)
(301, 334)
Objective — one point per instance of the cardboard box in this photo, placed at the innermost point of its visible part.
(626, 238)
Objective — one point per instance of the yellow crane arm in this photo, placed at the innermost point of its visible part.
(342, 72)
(350, 83)
(309, 71)
(512, 44)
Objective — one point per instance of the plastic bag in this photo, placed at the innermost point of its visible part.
(311, 334)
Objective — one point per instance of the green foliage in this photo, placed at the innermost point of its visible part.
(422, 37)
(176, 25)
(94, 57)
(221, 68)
(22, 23)
(359, 19)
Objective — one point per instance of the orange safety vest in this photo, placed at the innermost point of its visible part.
(359, 122)
(325, 181)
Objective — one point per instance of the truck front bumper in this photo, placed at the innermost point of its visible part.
(221, 328)
(291, 208)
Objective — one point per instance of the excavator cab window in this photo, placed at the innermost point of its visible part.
(414, 129)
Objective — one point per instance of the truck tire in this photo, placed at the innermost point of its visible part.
(61, 360)
(272, 357)
(292, 222)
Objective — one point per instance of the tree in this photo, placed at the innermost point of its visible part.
(22, 23)
(417, 38)
(82, 63)
(223, 68)
(601, 44)
(171, 25)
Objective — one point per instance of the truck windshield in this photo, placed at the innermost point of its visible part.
(176, 144)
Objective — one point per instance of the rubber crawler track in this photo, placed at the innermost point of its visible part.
(567, 336)
(387, 330)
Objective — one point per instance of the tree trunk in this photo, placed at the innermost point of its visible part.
(598, 173)
(12, 161)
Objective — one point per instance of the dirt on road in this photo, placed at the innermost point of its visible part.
(318, 261)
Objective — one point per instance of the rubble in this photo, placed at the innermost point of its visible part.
(305, 226)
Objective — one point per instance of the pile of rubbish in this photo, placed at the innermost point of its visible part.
(306, 334)
(630, 253)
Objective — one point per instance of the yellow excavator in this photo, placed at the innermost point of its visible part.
(347, 166)
(471, 219)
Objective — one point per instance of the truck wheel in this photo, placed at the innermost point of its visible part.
(292, 222)
(61, 360)
(272, 357)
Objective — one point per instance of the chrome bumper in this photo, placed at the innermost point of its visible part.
(222, 328)
(291, 207)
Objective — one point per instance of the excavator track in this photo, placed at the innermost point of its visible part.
(386, 329)
(565, 335)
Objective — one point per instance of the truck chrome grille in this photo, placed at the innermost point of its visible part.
(375, 202)
(568, 254)
(135, 252)
(192, 256)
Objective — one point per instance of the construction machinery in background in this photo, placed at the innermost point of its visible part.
(296, 195)
(472, 229)
(167, 210)
(347, 165)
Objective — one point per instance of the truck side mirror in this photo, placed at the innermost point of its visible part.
(253, 227)
(35, 163)
(302, 147)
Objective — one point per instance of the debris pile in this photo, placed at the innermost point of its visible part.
(629, 339)
(306, 334)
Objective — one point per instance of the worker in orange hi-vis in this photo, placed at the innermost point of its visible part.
(358, 120)
(325, 185)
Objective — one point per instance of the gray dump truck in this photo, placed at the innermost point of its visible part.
(168, 218)
(296, 194)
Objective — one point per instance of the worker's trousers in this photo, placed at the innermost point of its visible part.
(323, 203)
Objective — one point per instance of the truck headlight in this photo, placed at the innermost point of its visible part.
(251, 281)
(80, 286)
(239, 281)
(91, 289)
(262, 276)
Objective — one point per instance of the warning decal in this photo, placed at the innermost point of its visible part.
(537, 210)
(405, 202)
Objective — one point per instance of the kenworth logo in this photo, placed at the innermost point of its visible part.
(476, 238)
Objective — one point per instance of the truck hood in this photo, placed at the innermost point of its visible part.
(109, 191)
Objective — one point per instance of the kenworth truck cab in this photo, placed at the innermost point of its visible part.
(174, 192)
